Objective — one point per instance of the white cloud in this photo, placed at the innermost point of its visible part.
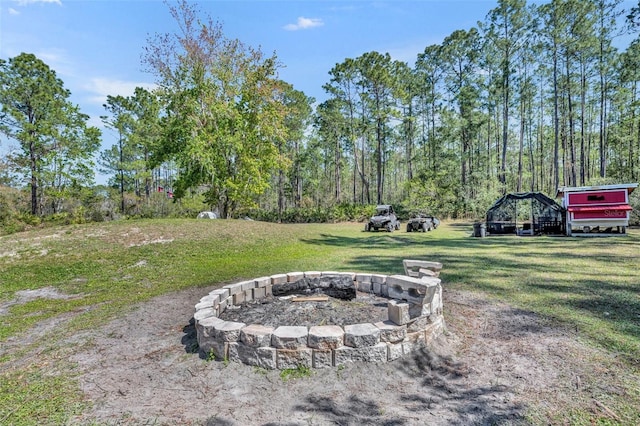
(304, 24)
(12, 11)
(27, 2)
(53, 57)
(58, 60)
(100, 88)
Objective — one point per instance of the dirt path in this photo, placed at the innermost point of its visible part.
(494, 364)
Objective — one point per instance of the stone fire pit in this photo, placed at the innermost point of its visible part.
(413, 317)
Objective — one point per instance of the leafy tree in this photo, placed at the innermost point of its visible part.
(70, 168)
(461, 52)
(627, 102)
(633, 17)
(345, 89)
(551, 24)
(332, 128)
(606, 15)
(136, 119)
(508, 31)
(429, 74)
(146, 108)
(56, 146)
(409, 102)
(297, 120)
(224, 119)
(380, 90)
(118, 159)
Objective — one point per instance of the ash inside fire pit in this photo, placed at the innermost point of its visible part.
(276, 311)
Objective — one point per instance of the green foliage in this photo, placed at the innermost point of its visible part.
(261, 371)
(12, 202)
(211, 356)
(136, 120)
(56, 146)
(339, 369)
(481, 202)
(438, 193)
(85, 205)
(344, 212)
(11, 226)
(14, 211)
(224, 117)
(300, 372)
(535, 97)
(634, 201)
(96, 204)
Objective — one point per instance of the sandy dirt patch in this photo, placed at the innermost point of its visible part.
(493, 366)
(24, 296)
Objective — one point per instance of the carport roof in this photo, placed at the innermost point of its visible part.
(526, 196)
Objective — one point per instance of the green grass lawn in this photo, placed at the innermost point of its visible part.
(591, 285)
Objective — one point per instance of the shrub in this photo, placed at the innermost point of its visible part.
(343, 212)
(634, 200)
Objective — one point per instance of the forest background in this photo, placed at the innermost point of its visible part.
(534, 97)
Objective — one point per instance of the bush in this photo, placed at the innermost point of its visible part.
(12, 202)
(343, 212)
(634, 201)
(11, 226)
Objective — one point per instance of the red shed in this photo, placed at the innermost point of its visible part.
(596, 208)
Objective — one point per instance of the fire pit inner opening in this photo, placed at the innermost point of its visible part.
(309, 311)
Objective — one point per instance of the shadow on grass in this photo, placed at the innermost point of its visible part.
(569, 279)
(380, 240)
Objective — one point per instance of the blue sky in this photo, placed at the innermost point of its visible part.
(95, 45)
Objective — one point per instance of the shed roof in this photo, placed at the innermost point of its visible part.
(562, 189)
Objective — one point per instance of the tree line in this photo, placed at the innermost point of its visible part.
(534, 97)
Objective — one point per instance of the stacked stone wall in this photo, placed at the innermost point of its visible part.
(414, 312)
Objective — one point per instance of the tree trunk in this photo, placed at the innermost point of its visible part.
(570, 131)
(34, 178)
(556, 121)
(280, 194)
(505, 119)
(583, 90)
(122, 204)
(379, 137)
(338, 172)
(521, 145)
(603, 113)
(298, 177)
